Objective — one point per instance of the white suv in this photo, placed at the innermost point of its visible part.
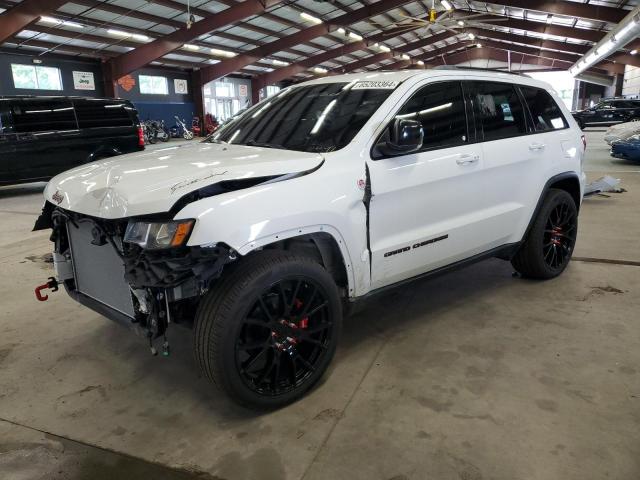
(327, 192)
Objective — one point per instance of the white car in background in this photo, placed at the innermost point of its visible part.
(326, 193)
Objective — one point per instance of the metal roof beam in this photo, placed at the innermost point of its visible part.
(24, 14)
(145, 54)
(228, 66)
(597, 13)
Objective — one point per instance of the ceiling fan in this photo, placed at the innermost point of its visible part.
(436, 20)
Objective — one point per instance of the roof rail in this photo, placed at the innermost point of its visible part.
(475, 69)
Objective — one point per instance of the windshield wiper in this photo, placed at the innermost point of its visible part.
(253, 143)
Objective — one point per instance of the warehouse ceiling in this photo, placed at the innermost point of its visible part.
(272, 41)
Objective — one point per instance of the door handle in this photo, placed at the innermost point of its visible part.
(468, 159)
(536, 146)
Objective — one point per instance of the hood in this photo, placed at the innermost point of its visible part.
(152, 181)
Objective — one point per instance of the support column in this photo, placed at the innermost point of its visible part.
(198, 96)
(110, 84)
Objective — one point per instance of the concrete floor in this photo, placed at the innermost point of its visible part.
(471, 375)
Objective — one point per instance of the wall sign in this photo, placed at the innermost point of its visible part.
(127, 83)
(242, 90)
(83, 81)
(180, 86)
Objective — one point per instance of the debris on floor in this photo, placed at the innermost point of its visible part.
(603, 184)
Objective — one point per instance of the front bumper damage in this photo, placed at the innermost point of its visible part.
(141, 289)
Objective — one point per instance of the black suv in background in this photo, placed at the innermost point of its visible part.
(43, 136)
(608, 112)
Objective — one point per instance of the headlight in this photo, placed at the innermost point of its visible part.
(157, 235)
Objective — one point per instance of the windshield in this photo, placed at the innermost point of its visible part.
(313, 118)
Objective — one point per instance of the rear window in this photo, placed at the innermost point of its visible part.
(544, 110)
(98, 113)
(32, 116)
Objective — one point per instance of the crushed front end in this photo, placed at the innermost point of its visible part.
(117, 270)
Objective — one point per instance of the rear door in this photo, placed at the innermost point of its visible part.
(513, 160)
(44, 129)
(427, 206)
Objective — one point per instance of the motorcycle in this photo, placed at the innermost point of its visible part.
(154, 130)
(211, 124)
(195, 126)
(182, 130)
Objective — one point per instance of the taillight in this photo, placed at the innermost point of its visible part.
(584, 142)
(141, 137)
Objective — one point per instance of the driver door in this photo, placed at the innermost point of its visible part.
(426, 208)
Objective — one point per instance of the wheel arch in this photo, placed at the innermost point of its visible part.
(567, 181)
(321, 242)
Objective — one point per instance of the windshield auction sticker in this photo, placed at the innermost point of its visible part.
(375, 85)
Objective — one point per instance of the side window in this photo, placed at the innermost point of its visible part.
(499, 110)
(32, 116)
(440, 109)
(544, 111)
(98, 113)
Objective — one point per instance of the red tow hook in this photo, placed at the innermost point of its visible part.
(52, 284)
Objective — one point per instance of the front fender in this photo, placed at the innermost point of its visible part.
(327, 201)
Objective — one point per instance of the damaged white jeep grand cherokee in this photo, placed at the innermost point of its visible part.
(329, 191)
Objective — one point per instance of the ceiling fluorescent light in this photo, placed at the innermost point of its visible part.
(139, 37)
(420, 62)
(461, 23)
(310, 18)
(472, 36)
(118, 33)
(191, 47)
(279, 63)
(320, 70)
(222, 53)
(384, 48)
(633, 52)
(404, 56)
(479, 45)
(341, 31)
(355, 36)
(447, 5)
(55, 21)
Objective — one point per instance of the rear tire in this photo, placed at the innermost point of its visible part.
(548, 247)
(269, 329)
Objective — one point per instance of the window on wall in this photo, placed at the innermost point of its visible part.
(272, 90)
(34, 77)
(224, 89)
(153, 85)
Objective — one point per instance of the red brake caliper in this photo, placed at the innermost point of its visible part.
(556, 233)
(303, 323)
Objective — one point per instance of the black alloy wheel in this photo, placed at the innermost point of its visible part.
(547, 248)
(268, 330)
(284, 336)
(560, 235)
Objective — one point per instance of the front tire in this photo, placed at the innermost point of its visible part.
(268, 331)
(548, 247)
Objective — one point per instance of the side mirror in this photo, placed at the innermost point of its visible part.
(405, 136)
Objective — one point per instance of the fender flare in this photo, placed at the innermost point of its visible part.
(556, 178)
(309, 229)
